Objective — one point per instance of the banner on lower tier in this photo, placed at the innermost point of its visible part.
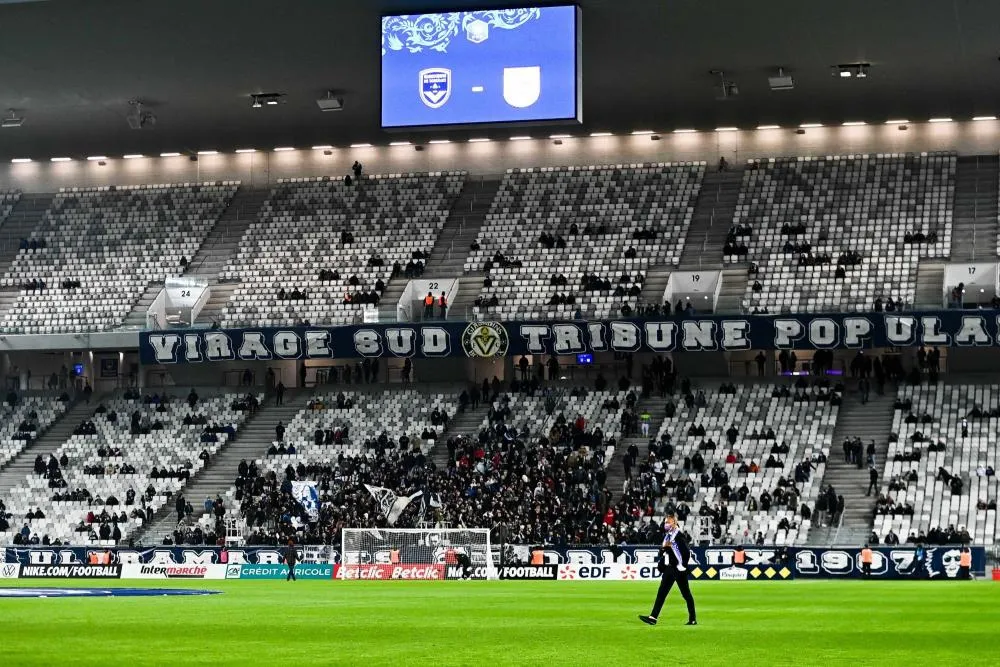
(164, 571)
(425, 571)
(626, 563)
(498, 339)
(618, 572)
(766, 563)
(302, 571)
(161, 556)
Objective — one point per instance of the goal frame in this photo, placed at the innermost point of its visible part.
(430, 543)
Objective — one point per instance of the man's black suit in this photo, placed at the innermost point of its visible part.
(291, 557)
(669, 564)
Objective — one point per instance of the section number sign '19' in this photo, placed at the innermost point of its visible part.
(476, 67)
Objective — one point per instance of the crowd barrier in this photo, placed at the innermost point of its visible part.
(578, 563)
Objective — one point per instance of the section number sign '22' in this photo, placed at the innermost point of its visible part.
(485, 66)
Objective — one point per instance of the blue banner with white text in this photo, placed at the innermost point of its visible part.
(488, 339)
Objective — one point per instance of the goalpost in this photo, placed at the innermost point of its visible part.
(416, 553)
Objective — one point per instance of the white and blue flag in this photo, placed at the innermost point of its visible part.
(308, 496)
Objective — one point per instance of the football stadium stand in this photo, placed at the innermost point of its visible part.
(565, 241)
(748, 458)
(96, 250)
(323, 251)
(22, 422)
(331, 430)
(835, 233)
(7, 202)
(742, 462)
(936, 476)
(130, 456)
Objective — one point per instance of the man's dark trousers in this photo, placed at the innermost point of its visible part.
(670, 577)
(291, 573)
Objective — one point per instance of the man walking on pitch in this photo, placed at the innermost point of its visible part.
(674, 556)
(291, 557)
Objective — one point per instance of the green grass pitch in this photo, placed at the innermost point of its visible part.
(487, 624)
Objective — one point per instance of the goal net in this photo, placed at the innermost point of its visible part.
(416, 553)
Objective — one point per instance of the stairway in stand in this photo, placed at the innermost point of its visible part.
(655, 284)
(713, 217)
(464, 424)
(220, 247)
(222, 242)
(136, 318)
(929, 291)
(974, 230)
(732, 291)
(468, 213)
(252, 441)
(18, 468)
(615, 466)
(871, 421)
(447, 256)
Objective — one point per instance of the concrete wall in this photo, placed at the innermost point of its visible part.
(263, 168)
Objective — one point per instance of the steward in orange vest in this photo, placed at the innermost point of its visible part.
(866, 562)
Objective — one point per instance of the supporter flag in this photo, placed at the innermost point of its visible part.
(391, 504)
(308, 497)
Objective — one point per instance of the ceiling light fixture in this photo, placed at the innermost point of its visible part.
(132, 156)
(806, 126)
(322, 147)
(851, 70)
(523, 137)
(984, 118)
(246, 150)
(726, 129)
(361, 145)
(478, 140)
(600, 134)
(95, 158)
(638, 133)
(439, 141)
(726, 89)
(260, 99)
(940, 120)
(282, 149)
(781, 81)
(853, 123)
(400, 143)
(768, 127)
(685, 131)
(170, 154)
(12, 119)
(60, 159)
(896, 122)
(331, 102)
(208, 152)
(559, 136)
(21, 160)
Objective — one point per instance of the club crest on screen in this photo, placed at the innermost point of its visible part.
(435, 86)
(522, 86)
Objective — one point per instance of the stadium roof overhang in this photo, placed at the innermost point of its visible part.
(69, 68)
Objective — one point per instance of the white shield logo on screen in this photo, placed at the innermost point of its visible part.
(522, 86)
(435, 86)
